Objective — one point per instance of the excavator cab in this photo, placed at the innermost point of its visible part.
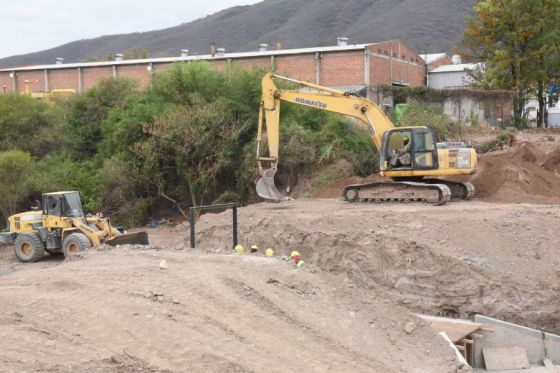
(409, 148)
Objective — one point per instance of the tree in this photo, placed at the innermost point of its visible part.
(195, 143)
(89, 110)
(518, 42)
(30, 125)
(15, 169)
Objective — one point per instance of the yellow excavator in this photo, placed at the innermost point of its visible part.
(409, 156)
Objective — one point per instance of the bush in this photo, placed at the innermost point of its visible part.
(419, 114)
(30, 125)
(504, 138)
(190, 137)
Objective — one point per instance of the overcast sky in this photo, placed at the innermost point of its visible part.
(33, 25)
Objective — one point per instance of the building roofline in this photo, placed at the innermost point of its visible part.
(455, 68)
(226, 56)
(433, 57)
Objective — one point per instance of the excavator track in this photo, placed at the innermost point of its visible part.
(459, 190)
(397, 191)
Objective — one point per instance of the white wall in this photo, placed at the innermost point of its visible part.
(452, 79)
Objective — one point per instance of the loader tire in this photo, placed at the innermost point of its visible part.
(29, 247)
(75, 243)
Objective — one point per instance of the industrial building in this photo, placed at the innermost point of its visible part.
(345, 66)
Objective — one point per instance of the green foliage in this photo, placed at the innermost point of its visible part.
(195, 143)
(432, 95)
(15, 179)
(30, 125)
(89, 110)
(419, 114)
(189, 84)
(190, 137)
(59, 171)
(503, 138)
(519, 42)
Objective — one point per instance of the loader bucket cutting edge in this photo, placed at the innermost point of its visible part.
(137, 238)
(266, 188)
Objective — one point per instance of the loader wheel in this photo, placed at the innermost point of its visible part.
(75, 243)
(29, 247)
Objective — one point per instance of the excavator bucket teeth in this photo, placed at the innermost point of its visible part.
(266, 188)
(137, 238)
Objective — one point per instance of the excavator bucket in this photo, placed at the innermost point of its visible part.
(136, 238)
(266, 188)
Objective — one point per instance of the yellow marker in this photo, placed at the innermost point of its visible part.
(269, 252)
(239, 249)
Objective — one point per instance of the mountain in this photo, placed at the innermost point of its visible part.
(426, 25)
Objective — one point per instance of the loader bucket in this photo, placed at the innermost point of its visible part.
(266, 188)
(137, 238)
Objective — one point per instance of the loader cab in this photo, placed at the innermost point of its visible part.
(409, 148)
(63, 205)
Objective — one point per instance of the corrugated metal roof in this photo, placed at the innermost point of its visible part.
(281, 52)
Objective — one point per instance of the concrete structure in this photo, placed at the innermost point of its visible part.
(345, 66)
(467, 109)
(532, 108)
(539, 345)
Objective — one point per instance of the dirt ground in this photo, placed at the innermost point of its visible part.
(116, 310)
(369, 268)
(500, 260)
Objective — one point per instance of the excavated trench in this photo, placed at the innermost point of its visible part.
(413, 274)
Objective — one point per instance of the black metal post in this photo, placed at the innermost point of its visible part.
(193, 229)
(234, 225)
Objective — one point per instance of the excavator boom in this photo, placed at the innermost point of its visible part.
(391, 142)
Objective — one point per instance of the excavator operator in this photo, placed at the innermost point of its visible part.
(401, 157)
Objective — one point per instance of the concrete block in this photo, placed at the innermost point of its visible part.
(510, 335)
(552, 345)
(505, 358)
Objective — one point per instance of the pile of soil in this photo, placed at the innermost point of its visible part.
(521, 174)
(552, 162)
(460, 259)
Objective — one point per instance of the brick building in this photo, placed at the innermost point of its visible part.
(348, 67)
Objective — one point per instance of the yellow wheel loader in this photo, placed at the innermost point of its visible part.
(61, 226)
(409, 156)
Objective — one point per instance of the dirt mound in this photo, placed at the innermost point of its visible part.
(519, 175)
(116, 310)
(552, 162)
(334, 190)
(393, 249)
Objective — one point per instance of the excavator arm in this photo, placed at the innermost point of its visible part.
(412, 150)
(310, 95)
